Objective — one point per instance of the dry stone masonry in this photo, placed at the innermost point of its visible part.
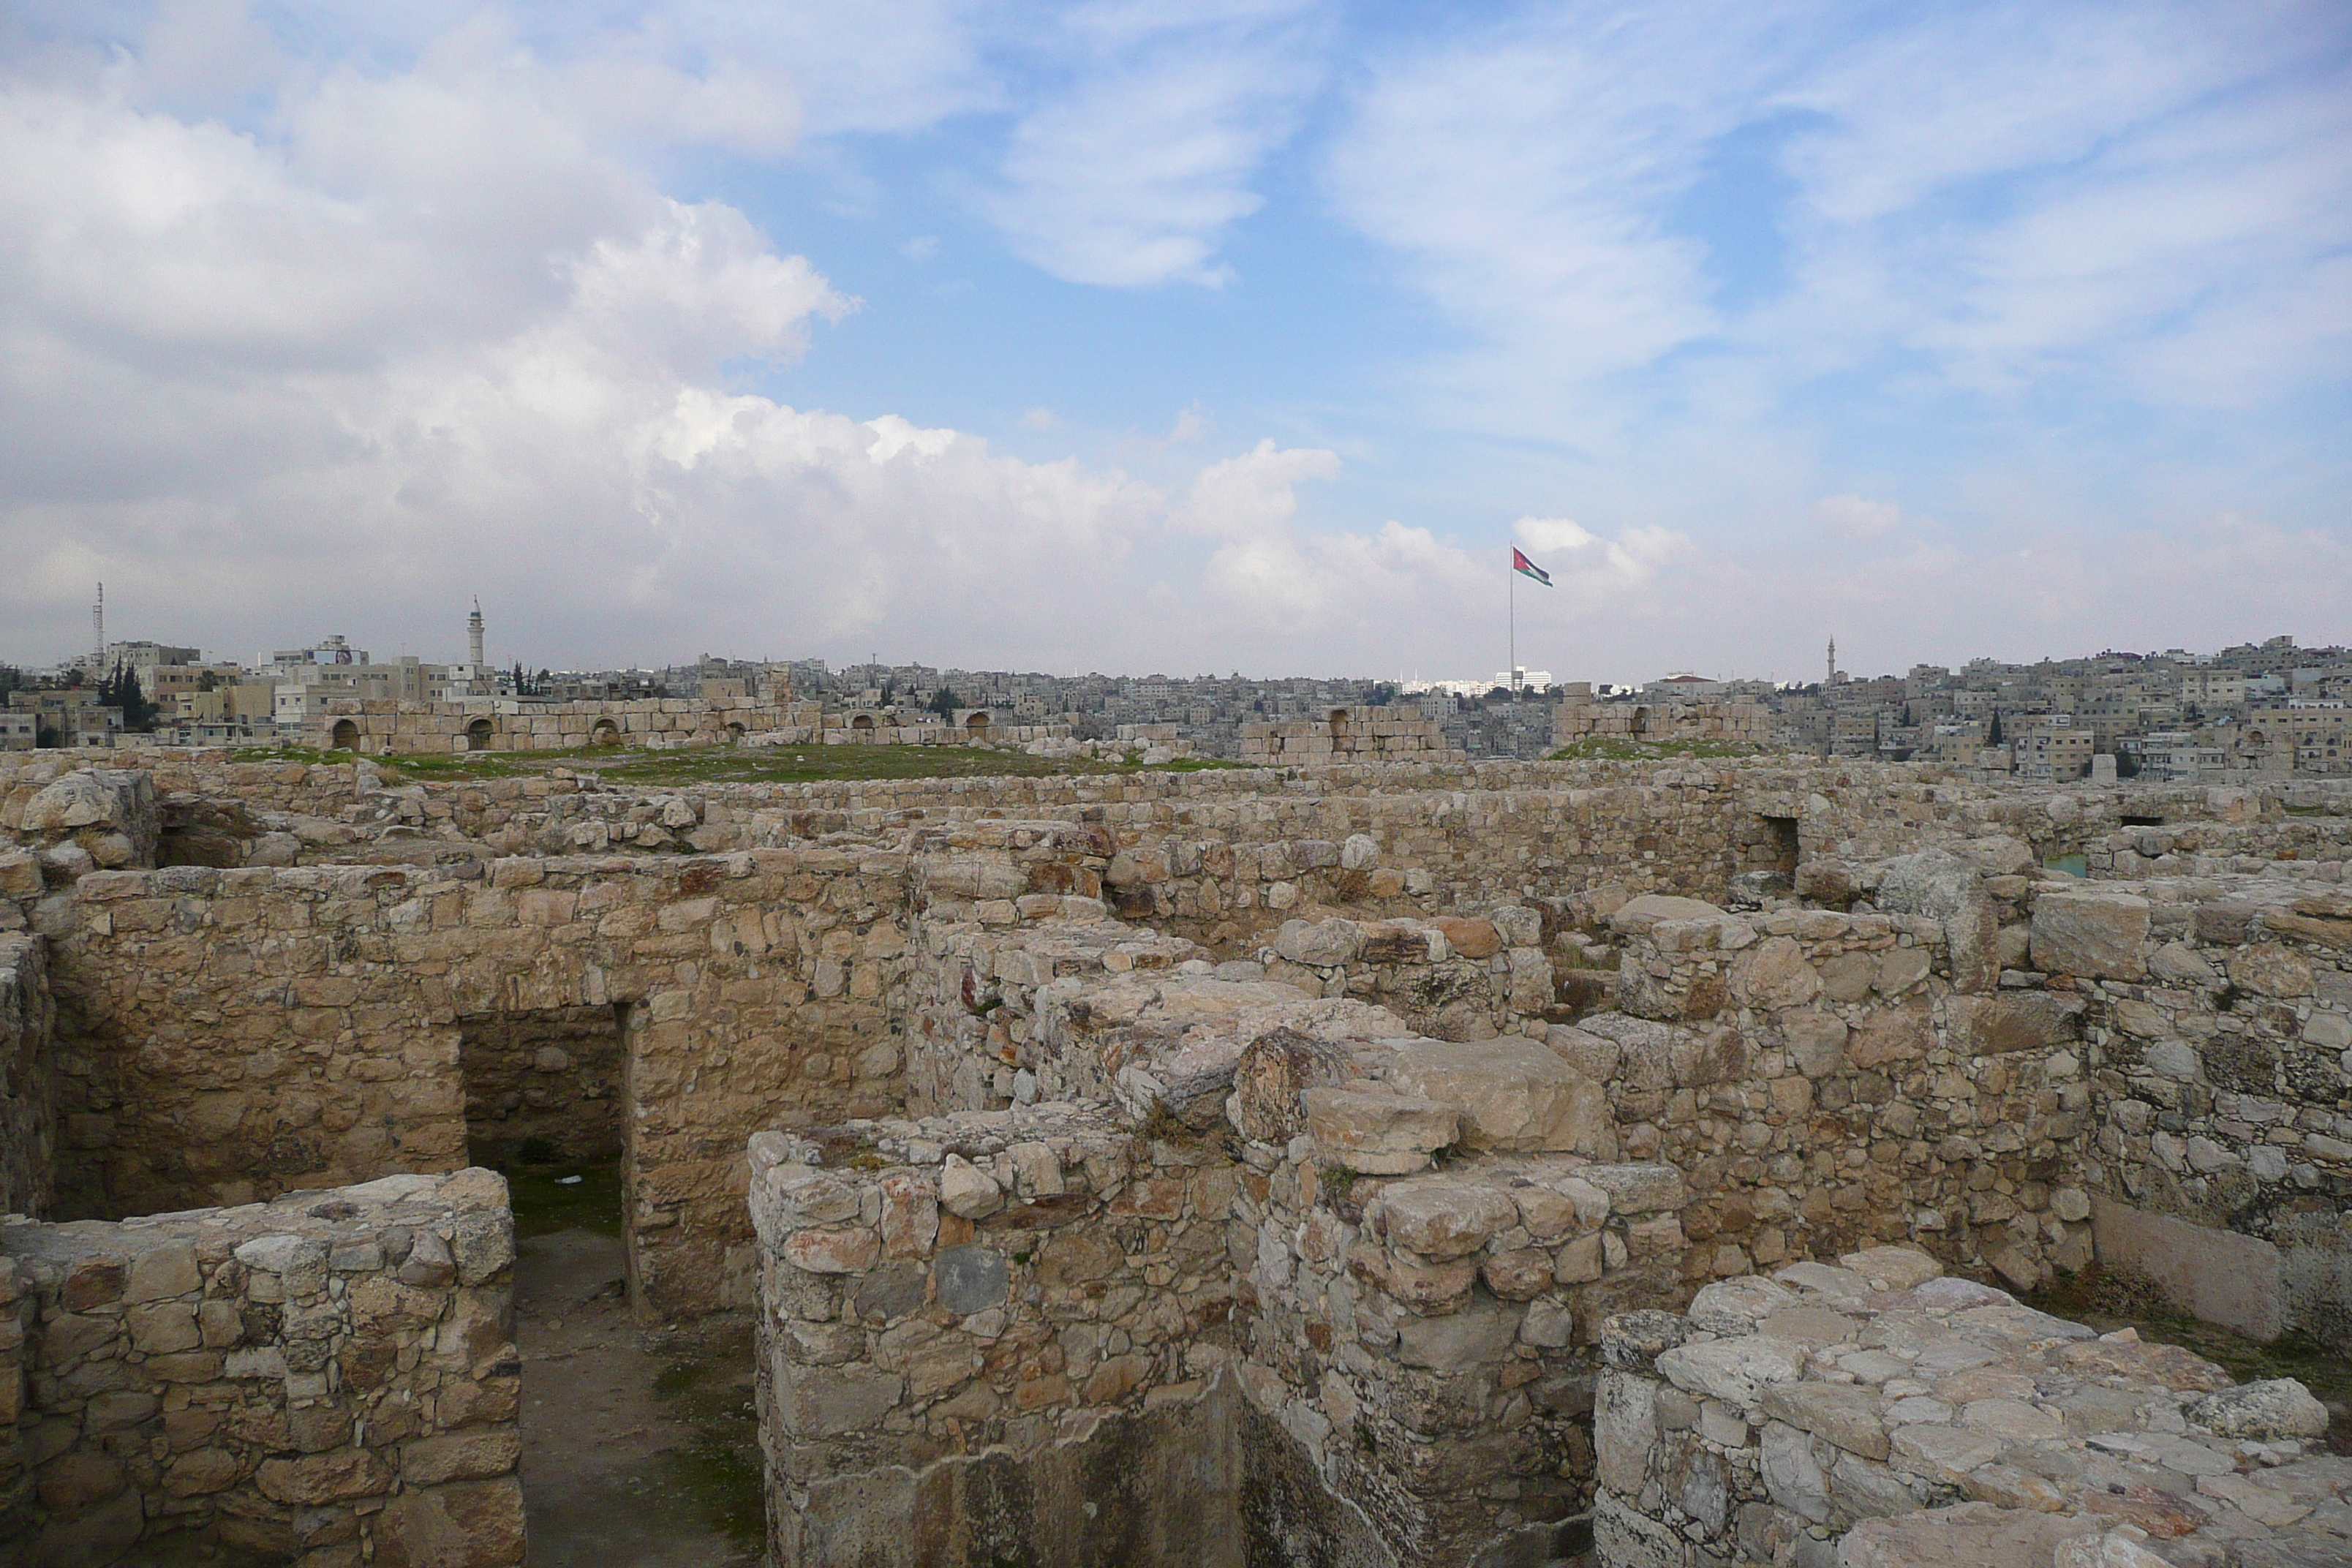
(1368, 1158)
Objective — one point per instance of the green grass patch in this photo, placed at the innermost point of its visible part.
(544, 1203)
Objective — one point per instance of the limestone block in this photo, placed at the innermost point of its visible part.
(1893, 1268)
(1441, 1218)
(2097, 935)
(1320, 944)
(1377, 1131)
(968, 1192)
(1479, 1333)
(1511, 1093)
(1273, 1072)
(1638, 915)
(2024, 1021)
(1737, 1306)
(1845, 1414)
(1816, 1041)
(1624, 1428)
(1775, 974)
(1470, 938)
(1638, 1189)
(1734, 1371)
(2265, 1412)
(2271, 969)
(1974, 1533)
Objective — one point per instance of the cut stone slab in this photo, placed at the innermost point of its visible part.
(1442, 1219)
(1737, 1306)
(1376, 1132)
(1733, 1370)
(1640, 914)
(1976, 1535)
(1844, 1412)
(2099, 936)
(1893, 1268)
(1511, 1093)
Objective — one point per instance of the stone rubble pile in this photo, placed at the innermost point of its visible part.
(1880, 1414)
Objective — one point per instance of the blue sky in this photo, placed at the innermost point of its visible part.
(1152, 336)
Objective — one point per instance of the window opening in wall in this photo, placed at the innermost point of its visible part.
(2130, 821)
(1785, 847)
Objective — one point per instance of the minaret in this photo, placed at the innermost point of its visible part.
(1831, 678)
(98, 625)
(474, 635)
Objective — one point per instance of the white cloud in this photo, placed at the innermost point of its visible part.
(1039, 419)
(1851, 517)
(1128, 170)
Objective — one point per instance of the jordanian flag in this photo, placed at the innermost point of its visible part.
(1526, 568)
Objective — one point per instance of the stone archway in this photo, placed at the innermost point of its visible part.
(977, 721)
(606, 733)
(344, 737)
(479, 734)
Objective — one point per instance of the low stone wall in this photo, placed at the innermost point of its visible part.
(27, 1065)
(82, 818)
(1878, 1414)
(328, 1379)
(228, 1035)
(2219, 1014)
(1824, 1080)
(382, 727)
(997, 1336)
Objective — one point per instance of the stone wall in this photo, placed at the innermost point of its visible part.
(328, 1379)
(228, 1035)
(385, 727)
(28, 1091)
(1881, 1414)
(2218, 1017)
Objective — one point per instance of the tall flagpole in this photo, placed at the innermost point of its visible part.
(1511, 597)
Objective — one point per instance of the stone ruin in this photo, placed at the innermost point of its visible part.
(1394, 1162)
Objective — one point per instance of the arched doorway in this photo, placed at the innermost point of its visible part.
(1338, 723)
(734, 733)
(606, 733)
(977, 721)
(345, 737)
(477, 735)
(862, 724)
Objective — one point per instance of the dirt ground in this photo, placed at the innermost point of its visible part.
(639, 1445)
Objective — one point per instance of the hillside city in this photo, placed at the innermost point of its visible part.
(2271, 708)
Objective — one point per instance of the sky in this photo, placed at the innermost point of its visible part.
(1141, 336)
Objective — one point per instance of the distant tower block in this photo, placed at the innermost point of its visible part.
(474, 635)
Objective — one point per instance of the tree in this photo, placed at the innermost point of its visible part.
(208, 682)
(943, 703)
(121, 691)
(1992, 735)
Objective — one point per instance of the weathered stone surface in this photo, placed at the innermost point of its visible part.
(2279, 1407)
(2099, 935)
(1737, 1306)
(1845, 1414)
(1273, 1072)
(968, 1192)
(1480, 1333)
(1378, 1132)
(1320, 942)
(1440, 1219)
(1734, 1371)
(1510, 1093)
(1974, 1533)
(1892, 1267)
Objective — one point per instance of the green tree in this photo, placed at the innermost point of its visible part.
(121, 691)
(944, 703)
